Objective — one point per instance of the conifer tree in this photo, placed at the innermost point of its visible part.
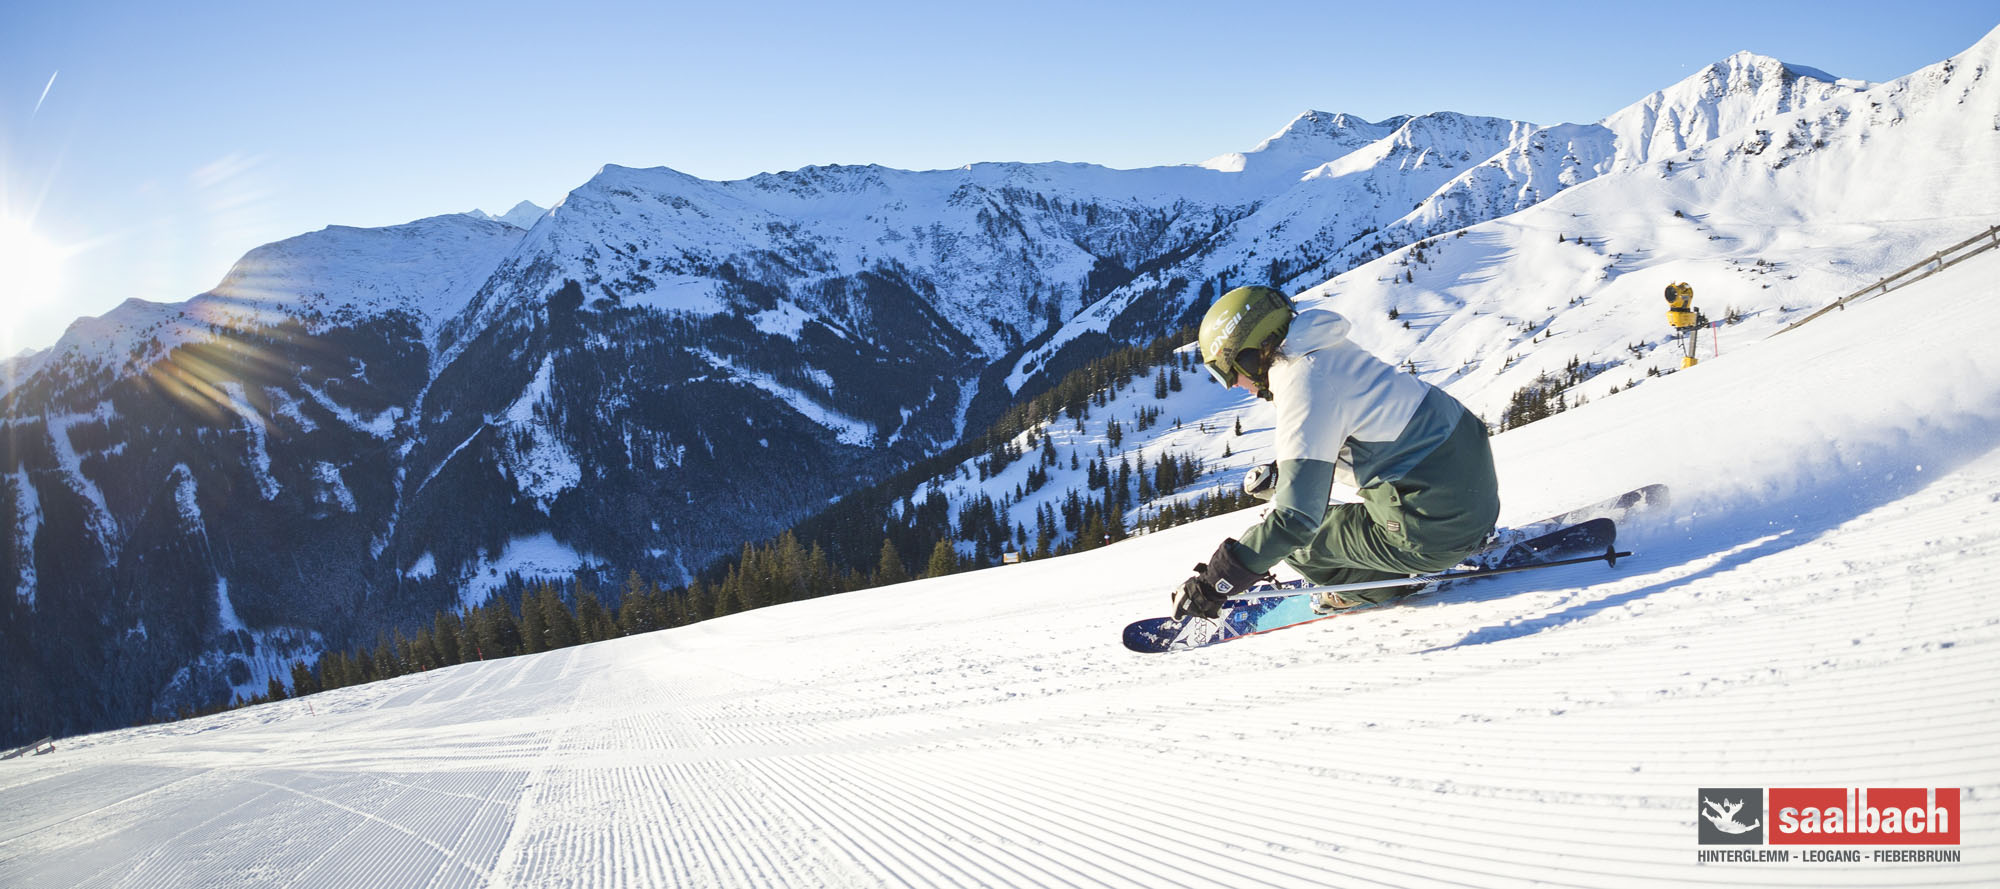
(302, 680)
(335, 671)
(820, 578)
(889, 568)
(631, 617)
(699, 600)
(560, 624)
(423, 652)
(638, 607)
(728, 595)
(944, 560)
(669, 607)
(468, 637)
(634, 605)
(387, 665)
(789, 569)
(593, 623)
(534, 623)
(499, 633)
(444, 631)
(744, 580)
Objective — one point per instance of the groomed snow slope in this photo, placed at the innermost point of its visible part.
(1815, 610)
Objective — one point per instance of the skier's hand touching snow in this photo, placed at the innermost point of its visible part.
(1214, 581)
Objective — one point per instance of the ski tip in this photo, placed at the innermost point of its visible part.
(1149, 636)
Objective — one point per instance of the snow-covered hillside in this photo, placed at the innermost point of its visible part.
(1815, 197)
(1410, 178)
(1813, 611)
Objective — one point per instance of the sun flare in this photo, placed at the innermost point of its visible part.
(31, 266)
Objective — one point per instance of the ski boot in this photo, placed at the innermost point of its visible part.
(1328, 602)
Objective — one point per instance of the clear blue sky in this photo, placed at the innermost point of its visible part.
(149, 144)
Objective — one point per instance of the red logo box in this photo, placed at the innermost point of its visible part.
(1868, 816)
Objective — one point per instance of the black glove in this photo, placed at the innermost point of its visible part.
(1213, 583)
(1261, 481)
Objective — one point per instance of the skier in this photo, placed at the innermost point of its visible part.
(1419, 458)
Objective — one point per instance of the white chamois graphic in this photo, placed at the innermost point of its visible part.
(1724, 817)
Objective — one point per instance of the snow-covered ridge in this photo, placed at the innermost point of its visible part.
(431, 270)
(524, 215)
(1729, 95)
(426, 269)
(997, 242)
(1738, 92)
(1409, 178)
(1297, 232)
(1311, 139)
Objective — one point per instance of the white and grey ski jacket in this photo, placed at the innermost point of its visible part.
(1342, 413)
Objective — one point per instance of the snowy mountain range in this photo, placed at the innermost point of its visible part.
(358, 427)
(1813, 610)
(1778, 203)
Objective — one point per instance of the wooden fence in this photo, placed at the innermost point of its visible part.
(1931, 265)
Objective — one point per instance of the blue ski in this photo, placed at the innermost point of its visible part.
(1274, 608)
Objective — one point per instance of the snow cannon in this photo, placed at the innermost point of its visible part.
(1685, 318)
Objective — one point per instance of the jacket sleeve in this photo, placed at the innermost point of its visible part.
(1314, 421)
(1296, 511)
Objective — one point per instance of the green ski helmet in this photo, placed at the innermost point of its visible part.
(1241, 332)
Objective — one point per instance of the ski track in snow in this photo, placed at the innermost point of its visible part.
(1526, 731)
(1828, 627)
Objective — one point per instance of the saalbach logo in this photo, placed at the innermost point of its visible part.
(1829, 816)
(1732, 816)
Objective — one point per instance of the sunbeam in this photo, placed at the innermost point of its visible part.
(31, 267)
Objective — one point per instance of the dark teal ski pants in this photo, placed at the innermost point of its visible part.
(1428, 520)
